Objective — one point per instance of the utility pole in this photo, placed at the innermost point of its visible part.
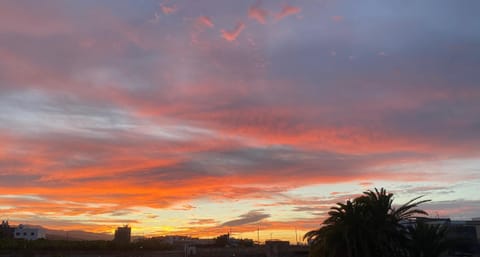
(258, 234)
(296, 235)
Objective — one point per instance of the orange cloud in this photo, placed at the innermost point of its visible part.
(257, 13)
(288, 10)
(231, 35)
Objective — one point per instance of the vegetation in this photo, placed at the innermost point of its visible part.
(428, 240)
(370, 225)
(222, 240)
(227, 241)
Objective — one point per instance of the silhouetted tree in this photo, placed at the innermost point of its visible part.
(428, 240)
(386, 225)
(369, 225)
(222, 240)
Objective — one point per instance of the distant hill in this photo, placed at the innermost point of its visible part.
(72, 235)
(75, 235)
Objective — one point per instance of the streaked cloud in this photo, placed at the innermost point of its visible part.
(231, 35)
(247, 218)
(287, 10)
(203, 222)
(205, 21)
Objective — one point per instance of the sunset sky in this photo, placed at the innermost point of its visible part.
(200, 117)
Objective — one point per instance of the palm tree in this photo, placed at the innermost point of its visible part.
(386, 223)
(367, 226)
(326, 241)
(428, 240)
(341, 233)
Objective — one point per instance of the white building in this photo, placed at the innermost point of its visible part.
(22, 232)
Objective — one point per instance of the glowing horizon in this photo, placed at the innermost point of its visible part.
(194, 118)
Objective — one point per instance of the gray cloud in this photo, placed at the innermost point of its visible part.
(247, 218)
(455, 209)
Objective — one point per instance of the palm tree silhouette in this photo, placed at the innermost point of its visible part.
(429, 240)
(369, 225)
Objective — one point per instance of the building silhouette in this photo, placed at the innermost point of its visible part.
(276, 248)
(122, 235)
(5, 230)
(466, 234)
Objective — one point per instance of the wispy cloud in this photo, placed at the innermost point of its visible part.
(155, 19)
(205, 21)
(231, 35)
(185, 207)
(247, 218)
(203, 222)
(168, 9)
(287, 10)
(337, 18)
(257, 13)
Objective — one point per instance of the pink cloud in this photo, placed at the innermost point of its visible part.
(337, 18)
(19, 17)
(232, 35)
(168, 9)
(288, 10)
(255, 12)
(201, 24)
(205, 21)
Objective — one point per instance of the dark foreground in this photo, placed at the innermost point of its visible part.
(293, 251)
